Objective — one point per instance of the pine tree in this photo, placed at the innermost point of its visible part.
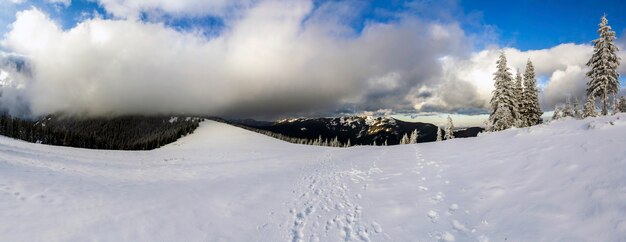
(439, 135)
(449, 132)
(622, 104)
(531, 111)
(604, 79)
(567, 110)
(590, 107)
(577, 113)
(519, 97)
(404, 140)
(414, 135)
(557, 113)
(503, 98)
(504, 120)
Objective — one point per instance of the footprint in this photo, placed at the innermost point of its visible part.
(459, 226)
(438, 197)
(377, 227)
(453, 207)
(433, 215)
(445, 236)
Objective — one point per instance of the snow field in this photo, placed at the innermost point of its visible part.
(562, 181)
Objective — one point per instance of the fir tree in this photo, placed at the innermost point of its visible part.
(567, 110)
(449, 132)
(439, 135)
(590, 107)
(531, 110)
(519, 97)
(404, 140)
(622, 104)
(503, 98)
(604, 79)
(557, 113)
(414, 136)
(504, 120)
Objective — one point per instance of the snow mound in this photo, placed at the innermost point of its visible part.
(562, 181)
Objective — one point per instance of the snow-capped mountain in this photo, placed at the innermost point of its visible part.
(359, 130)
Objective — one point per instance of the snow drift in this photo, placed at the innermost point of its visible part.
(564, 181)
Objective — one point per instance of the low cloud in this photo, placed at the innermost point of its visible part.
(278, 58)
(273, 58)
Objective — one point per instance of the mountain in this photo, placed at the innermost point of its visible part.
(359, 130)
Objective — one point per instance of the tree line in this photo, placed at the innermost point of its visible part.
(515, 102)
(120, 133)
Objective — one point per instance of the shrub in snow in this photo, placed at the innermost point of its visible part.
(590, 107)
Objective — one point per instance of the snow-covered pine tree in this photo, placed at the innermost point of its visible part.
(404, 140)
(449, 132)
(439, 135)
(505, 118)
(557, 113)
(567, 110)
(577, 113)
(503, 97)
(414, 136)
(335, 142)
(531, 111)
(519, 97)
(604, 79)
(622, 104)
(590, 107)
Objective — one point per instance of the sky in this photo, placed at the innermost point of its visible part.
(271, 59)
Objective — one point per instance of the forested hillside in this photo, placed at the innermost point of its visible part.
(120, 133)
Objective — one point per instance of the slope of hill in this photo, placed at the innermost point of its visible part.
(562, 181)
(359, 130)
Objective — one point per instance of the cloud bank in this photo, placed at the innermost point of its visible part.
(273, 58)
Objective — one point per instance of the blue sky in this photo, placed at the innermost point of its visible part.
(537, 24)
(525, 25)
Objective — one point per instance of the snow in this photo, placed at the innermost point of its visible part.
(562, 181)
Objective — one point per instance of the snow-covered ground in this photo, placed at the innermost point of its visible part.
(565, 181)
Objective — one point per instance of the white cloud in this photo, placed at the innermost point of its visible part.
(563, 65)
(276, 57)
(65, 3)
(133, 8)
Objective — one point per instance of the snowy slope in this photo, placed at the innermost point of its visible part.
(565, 181)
